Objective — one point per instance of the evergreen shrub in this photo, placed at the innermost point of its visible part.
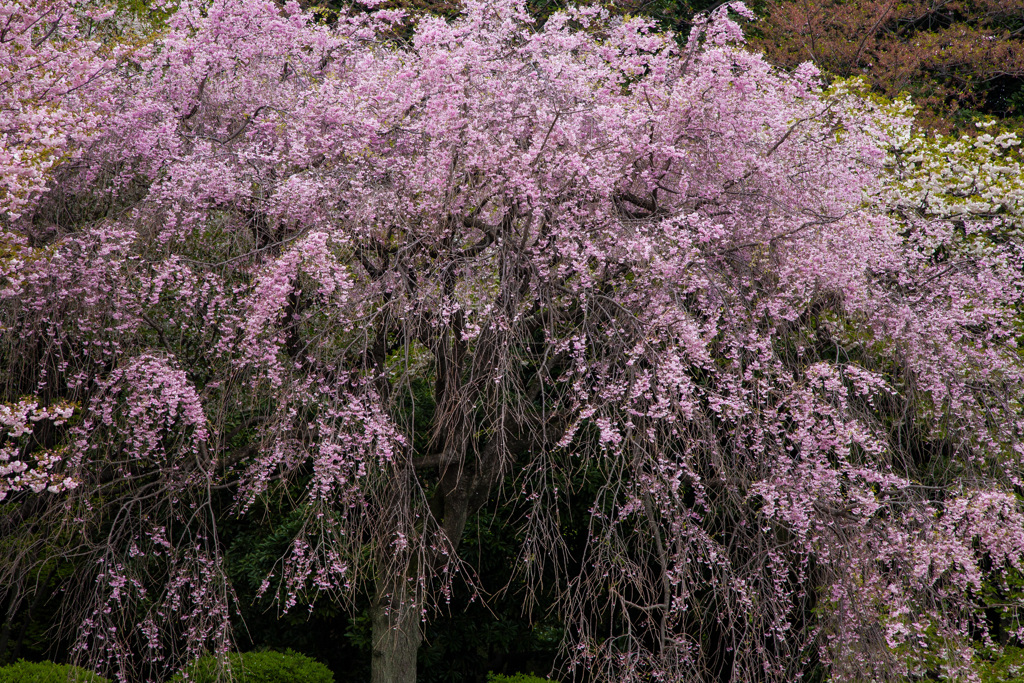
(47, 672)
(517, 678)
(258, 667)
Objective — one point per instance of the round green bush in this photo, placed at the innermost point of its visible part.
(258, 667)
(517, 678)
(46, 672)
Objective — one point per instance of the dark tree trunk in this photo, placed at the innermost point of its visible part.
(467, 473)
(397, 631)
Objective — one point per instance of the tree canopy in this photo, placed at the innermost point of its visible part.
(384, 280)
(957, 59)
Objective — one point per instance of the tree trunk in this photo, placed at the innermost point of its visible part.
(397, 632)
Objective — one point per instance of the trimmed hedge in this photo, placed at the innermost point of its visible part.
(46, 672)
(259, 667)
(517, 678)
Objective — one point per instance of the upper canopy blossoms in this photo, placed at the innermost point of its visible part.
(670, 269)
(51, 74)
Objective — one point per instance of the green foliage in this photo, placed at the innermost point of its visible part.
(258, 667)
(1009, 668)
(257, 541)
(146, 13)
(516, 678)
(485, 632)
(47, 672)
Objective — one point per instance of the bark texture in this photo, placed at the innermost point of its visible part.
(397, 634)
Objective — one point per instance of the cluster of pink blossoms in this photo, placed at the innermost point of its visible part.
(667, 269)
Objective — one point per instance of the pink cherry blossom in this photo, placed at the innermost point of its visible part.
(241, 250)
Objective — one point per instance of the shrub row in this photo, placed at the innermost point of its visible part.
(250, 667)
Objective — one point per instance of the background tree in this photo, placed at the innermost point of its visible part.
(956, 59)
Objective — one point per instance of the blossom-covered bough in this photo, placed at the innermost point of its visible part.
(416, 278)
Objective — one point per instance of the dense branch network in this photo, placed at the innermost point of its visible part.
(393, 283)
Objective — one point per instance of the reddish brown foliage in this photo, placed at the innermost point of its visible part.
(951, 55)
